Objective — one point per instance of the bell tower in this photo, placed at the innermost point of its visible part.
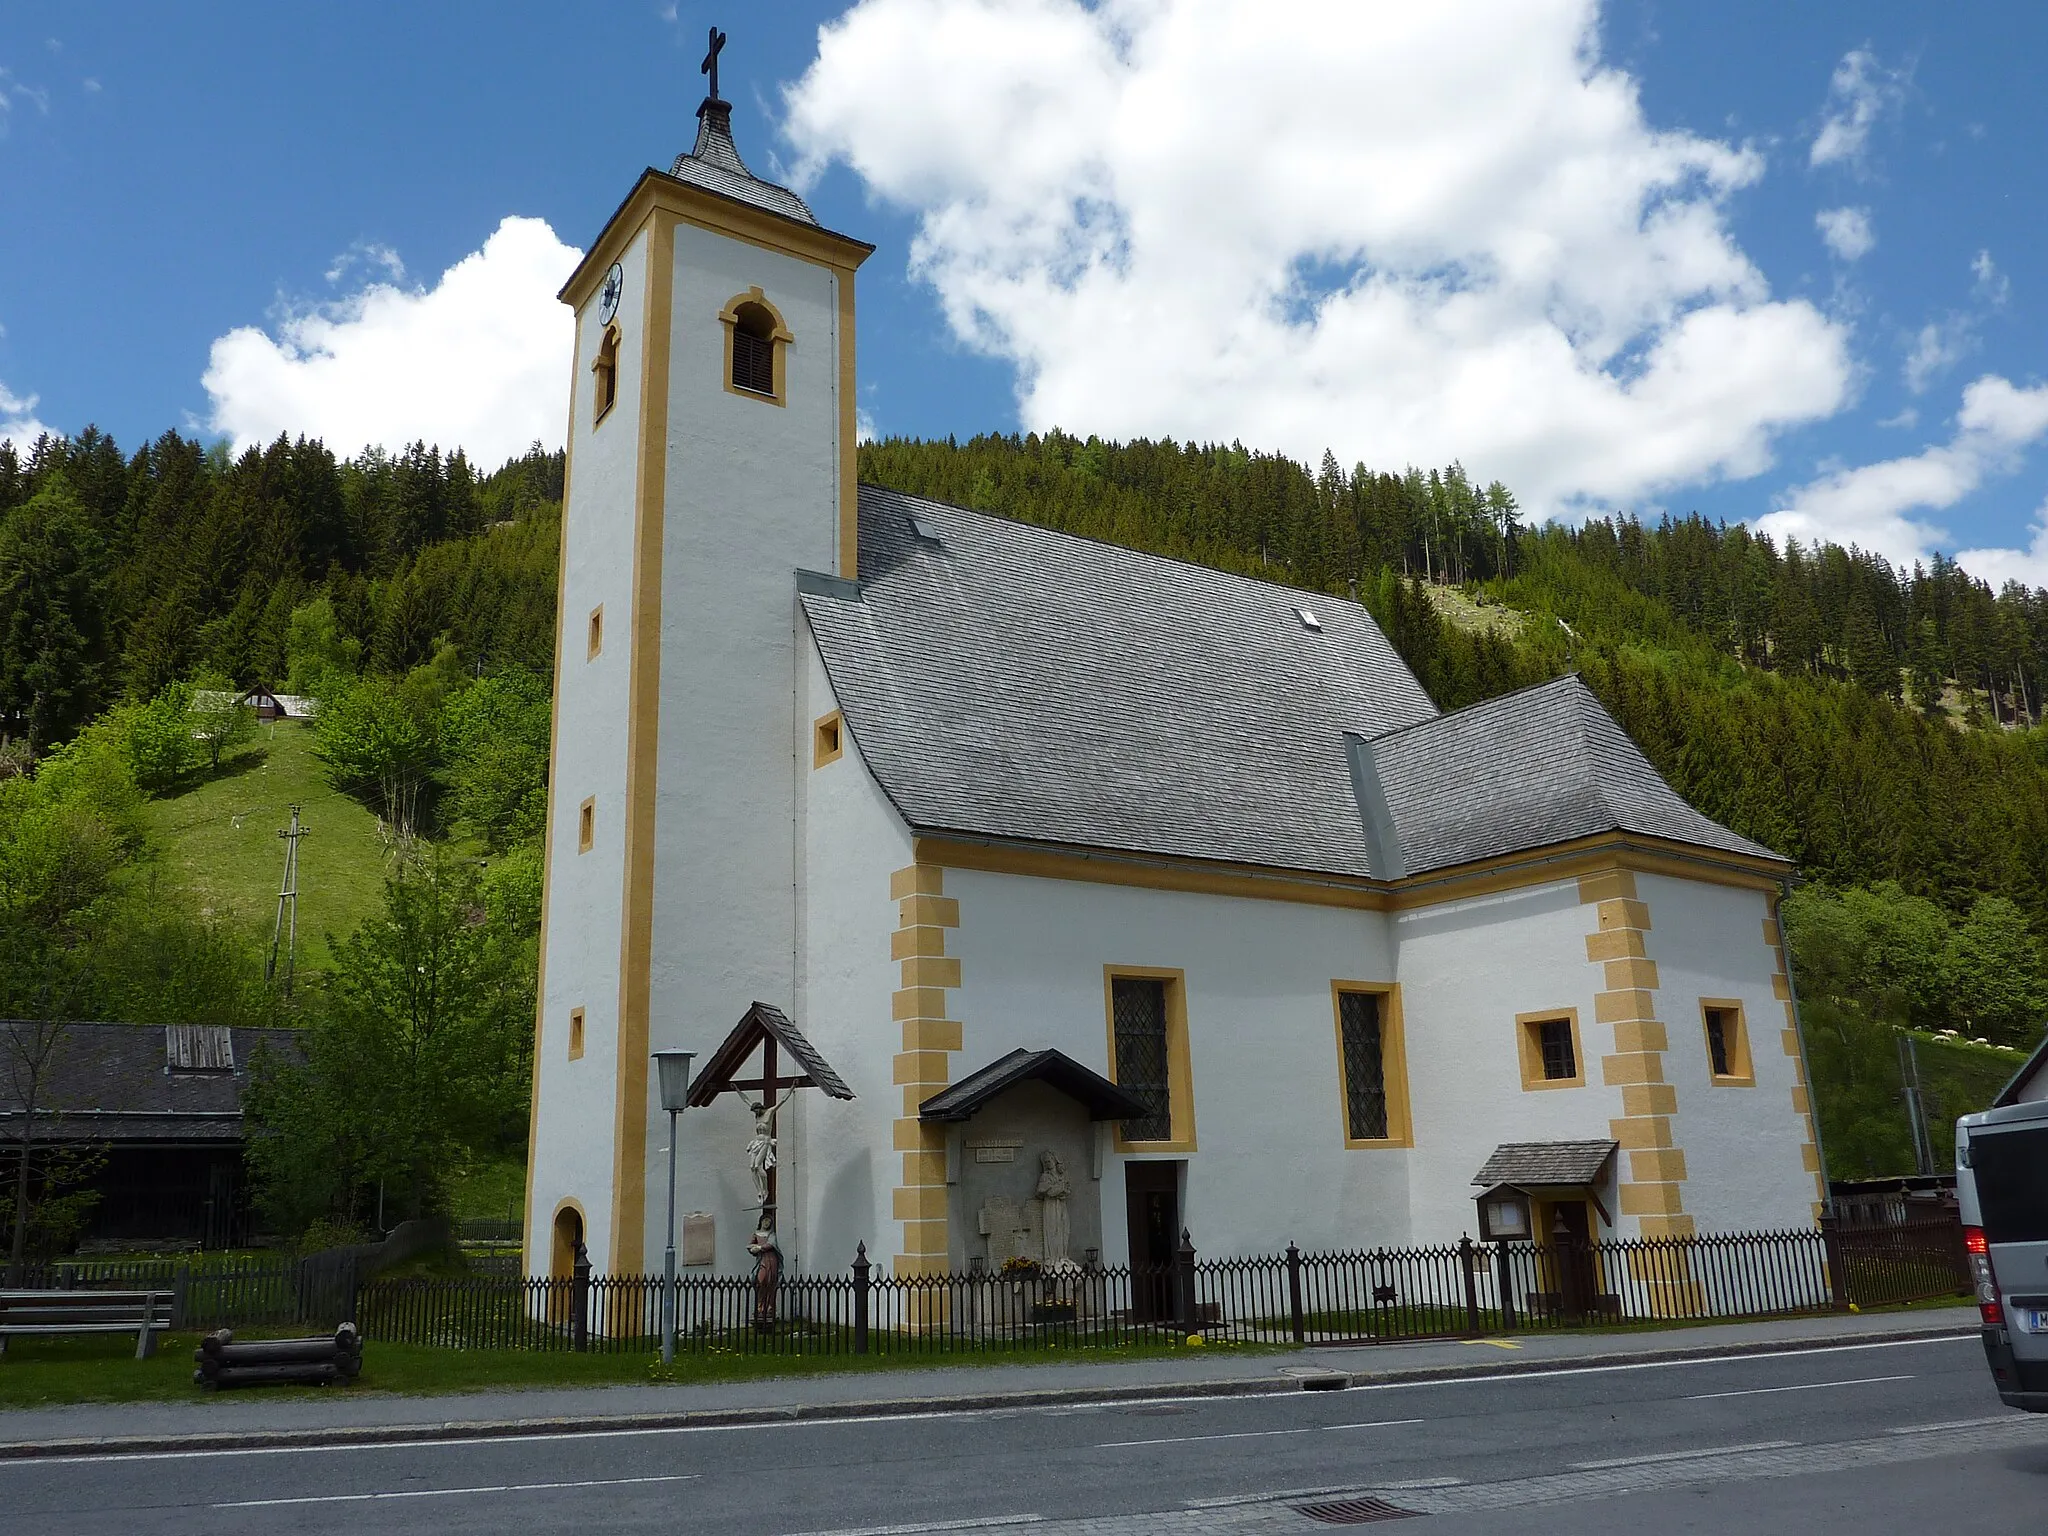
(710, 456)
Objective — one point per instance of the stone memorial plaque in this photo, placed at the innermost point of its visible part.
(700, 1238)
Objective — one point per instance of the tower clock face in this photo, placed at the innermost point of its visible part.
(608, 300)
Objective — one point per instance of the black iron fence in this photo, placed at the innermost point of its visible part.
(1462, 1289)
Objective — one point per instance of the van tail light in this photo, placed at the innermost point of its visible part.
(1988, 1309)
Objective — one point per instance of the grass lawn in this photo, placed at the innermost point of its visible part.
(219, 841)
(39, 1373)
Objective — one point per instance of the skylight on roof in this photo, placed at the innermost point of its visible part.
(924, 529)
(1308, 619)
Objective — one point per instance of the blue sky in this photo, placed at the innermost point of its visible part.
(1765, 261)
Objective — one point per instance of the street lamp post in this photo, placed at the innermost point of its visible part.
(674, 1067)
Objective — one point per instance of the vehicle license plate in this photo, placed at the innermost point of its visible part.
(2035, 1319)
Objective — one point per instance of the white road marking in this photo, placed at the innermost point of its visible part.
(443, 1493)
(1804, 1386)
(1649, 1365)
(983, 1524)
(1252, 1434)
(1693, 1455)
(1928, 1429)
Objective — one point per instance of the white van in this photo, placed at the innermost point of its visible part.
(2002, 1187)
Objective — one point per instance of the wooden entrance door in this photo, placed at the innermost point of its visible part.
(1152, 1211)
(1571, 1244)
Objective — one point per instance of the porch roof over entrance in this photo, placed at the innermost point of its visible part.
(1097, 1094)
(1546, 1164)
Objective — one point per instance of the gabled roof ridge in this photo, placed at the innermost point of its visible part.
(1445, 716)
(1300, 593)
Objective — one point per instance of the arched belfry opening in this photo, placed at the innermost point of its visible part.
(755, 342)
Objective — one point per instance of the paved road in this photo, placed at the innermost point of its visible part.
(1864, 1439)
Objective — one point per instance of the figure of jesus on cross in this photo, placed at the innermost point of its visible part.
(710, 64)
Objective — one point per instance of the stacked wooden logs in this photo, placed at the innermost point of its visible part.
(278, 1362)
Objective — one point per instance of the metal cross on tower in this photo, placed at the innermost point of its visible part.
(710, 64)
(286, 930)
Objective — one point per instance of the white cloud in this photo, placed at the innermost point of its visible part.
(1870, 506)
(1846, 232)
(1860, 93)
(1907, 417)
(18, 424)
(1441, 231)
(1937, 347)
(1991, 285)
(2027, 566)
(480, 359)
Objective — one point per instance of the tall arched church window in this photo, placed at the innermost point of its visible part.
(606, 370)
(756, 343)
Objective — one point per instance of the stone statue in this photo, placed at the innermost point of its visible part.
(1053, 1188)
(761, 1145)
(767, 1274)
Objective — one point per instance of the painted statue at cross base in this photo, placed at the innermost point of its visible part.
(767, 1274)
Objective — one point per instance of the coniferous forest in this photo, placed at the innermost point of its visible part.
(1883, 727)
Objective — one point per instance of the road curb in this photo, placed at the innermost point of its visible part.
(967, 1402)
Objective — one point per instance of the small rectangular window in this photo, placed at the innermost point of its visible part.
(575, 1034)
(596, 631)
(825, 742)
(1549, 1049)
(1138, 1004)
(1365, 1066)
(586, 826)
(1728, 1060)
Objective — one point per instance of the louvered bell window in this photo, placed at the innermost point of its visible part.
(753, 362)
(1138, 1007)
(1365, 1065)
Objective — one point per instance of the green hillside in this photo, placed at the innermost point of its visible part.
(218, 842)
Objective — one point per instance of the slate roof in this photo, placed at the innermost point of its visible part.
(714, 163)
(1544, 765)
(1102, 1099)
(114, 1082)
(1546, 1163)
(1005, 680)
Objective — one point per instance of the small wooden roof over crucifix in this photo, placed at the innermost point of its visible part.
(768, 1028)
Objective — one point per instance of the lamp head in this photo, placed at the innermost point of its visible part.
(674, 1068)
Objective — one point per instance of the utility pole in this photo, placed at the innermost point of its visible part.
(1916, 1105)
(286, 929)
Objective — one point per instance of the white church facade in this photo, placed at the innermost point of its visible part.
(1061, 854)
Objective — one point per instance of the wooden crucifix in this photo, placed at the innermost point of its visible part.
(710, 64)
(769, 1030)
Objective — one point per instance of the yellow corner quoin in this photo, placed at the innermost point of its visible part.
(1654, 1173)
(643, 689)
(1393, 1065)
(924, 1065)
(1794, 1047)
(1180, 1082)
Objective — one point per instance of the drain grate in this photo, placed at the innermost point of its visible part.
(1365, 1511)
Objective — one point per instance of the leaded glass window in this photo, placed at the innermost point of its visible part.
(1138, 1011)
(1559, 1060)
(1365, 1065)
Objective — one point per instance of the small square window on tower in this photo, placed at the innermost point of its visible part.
(1728, 1060)
(575, 1034)
(586, 825)
(1548, 1044)
(825, 739)
(606, 372)
(596, 631)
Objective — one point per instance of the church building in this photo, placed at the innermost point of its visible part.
(1068, 875)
